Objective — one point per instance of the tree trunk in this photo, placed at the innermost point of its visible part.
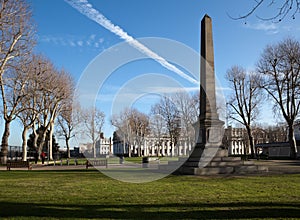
(4, 144)
(94, 149)
(139, 150)
(51, 141)
(129, 150)
(43, 139)
(35, 139)
(251, 141)
(24, 143)
(68, 148)
(292, 142)
(124, 147)
(252, 148)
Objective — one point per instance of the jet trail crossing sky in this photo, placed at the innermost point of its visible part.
(85, 8)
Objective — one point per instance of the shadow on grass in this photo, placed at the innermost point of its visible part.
(157, 211)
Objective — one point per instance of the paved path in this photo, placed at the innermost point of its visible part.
(275, 166)
(281, 166)
(77, 167)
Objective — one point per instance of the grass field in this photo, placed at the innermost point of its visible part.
(91, 195)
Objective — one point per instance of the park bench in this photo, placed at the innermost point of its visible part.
(153, 159)
(95, 163)
(150, 159)
(18, 164)
(147, 160)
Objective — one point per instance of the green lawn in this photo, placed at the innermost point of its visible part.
(91, 195)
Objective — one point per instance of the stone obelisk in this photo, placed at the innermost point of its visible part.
(209, 123)
(208, 128)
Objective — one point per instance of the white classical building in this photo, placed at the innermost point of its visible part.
(104, 146)
(151, 146)
(234, 140)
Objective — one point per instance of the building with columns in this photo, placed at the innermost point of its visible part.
(236, 139)
(152, 146)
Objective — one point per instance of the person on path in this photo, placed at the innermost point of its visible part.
(43, 155)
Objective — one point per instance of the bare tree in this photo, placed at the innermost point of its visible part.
(61, 86)
(280, 66)
(187, 106)
(68, 119)
(52, 89)
(281, 9)
(47, 103)
(277, 133)
(139, 124)
(13, 94)
(34, 103)
(158, 128)
(27, 119)
(93, 120)
(244, 103)
(132, 126)
(124, 131)
(16, 41)
(28, 105)
(167, 109)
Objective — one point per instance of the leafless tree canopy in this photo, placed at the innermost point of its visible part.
(281, 8)
(280, 66)
(16, 43)
(167, 109)
(16, 31)
(68, 118)
(132, 126)
(245, 100)
(93, 121)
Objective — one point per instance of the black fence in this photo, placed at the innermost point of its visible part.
(16, 153)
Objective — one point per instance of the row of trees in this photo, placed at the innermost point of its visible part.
(33, 90)
(277, 78)
(172, 117)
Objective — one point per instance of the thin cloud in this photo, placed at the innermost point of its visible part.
(162, 90)
(72, 41)
(85, 8)
(268, 27)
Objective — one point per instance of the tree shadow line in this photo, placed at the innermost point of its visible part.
(153, 211)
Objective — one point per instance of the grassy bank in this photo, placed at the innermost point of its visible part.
(89, 194)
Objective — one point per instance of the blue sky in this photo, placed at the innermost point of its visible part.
(72, 41)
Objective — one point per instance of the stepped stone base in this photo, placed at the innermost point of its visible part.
(208, 164)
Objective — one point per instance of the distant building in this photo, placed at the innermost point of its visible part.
(151, 146)
(297, 131)
(75, 152)
(104, 146)
(234, 140)
(237, 141)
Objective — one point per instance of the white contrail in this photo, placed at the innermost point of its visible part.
(84, 7)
